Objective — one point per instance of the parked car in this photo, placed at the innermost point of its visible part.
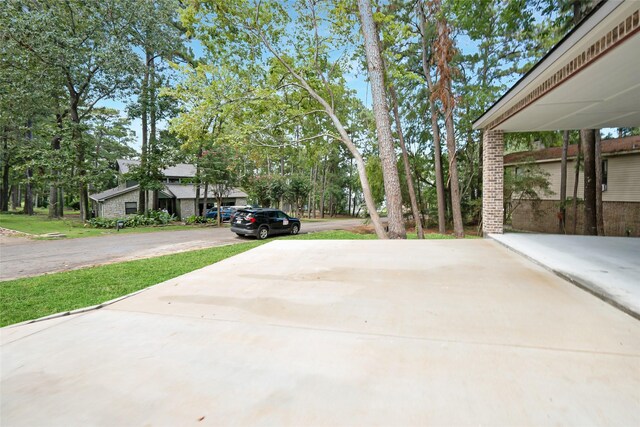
(263, 222)
(227, 212)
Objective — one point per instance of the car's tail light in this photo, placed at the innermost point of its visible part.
(252, 220)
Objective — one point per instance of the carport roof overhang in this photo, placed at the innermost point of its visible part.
(590, 80)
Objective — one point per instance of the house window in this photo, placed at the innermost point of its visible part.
(130, 208)
(605, 169)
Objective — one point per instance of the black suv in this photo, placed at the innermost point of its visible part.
(263, 222)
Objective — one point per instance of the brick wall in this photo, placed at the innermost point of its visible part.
(492, 181)
(542, 217)
(186, 208)
(114, 208)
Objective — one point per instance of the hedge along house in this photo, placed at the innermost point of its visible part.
(620, 188)
(178, 195)
(589, 80)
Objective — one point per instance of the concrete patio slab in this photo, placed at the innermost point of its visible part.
(10, 334)
(609, 267)
(336, 333)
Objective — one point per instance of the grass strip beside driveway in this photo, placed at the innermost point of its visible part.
(348, 235)
(31, 298)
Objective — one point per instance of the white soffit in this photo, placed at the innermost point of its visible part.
(605, 93)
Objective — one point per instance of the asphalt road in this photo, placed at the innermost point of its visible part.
(20, 257)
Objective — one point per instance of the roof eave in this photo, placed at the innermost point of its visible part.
(599, 12)
(118, 193)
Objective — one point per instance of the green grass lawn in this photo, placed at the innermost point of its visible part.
(332, 235)
(348, 235)
(325, 219)
(71, 227)
(31, 298)
(34, 297)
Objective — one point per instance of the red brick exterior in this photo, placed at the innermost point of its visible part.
(620, 218)
(492, 181)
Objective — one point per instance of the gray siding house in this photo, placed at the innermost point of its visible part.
(178, 195)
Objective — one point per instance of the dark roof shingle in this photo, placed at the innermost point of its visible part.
(181, 170)
(113, 192)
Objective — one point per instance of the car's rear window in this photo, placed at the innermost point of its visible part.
(241, 214)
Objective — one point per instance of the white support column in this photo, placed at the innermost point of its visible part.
(492, 182)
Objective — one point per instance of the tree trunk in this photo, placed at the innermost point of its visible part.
(311, 201)
(470, 147)
(281, 201)
(76, 136)
(205, 201)
(448, 102)
(28, 195)
(331, 207)
(84, 202)
(141, 201)
(53, 197)
(6, 192)
(350, 189)
(152, 147)
(575, 186)
(315, 201)
(589, 152)
(198, 182)
(324, 186)
(407, 167)
(598, 156)
(435, 130)
(563, 183)
(53, 188)
(415, 211)
(393, 193)
(419, 193)
(355, 204)
(61, 203)
(15, 197)
(458, 227)
(6, 169)
(144, 118)
(198, 211)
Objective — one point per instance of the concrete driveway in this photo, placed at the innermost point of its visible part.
(608, 267)
(335, 333)
(22, 257)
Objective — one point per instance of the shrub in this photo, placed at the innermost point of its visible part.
(102, 222)
(194, 219)
(160, 217)
(151, 218)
